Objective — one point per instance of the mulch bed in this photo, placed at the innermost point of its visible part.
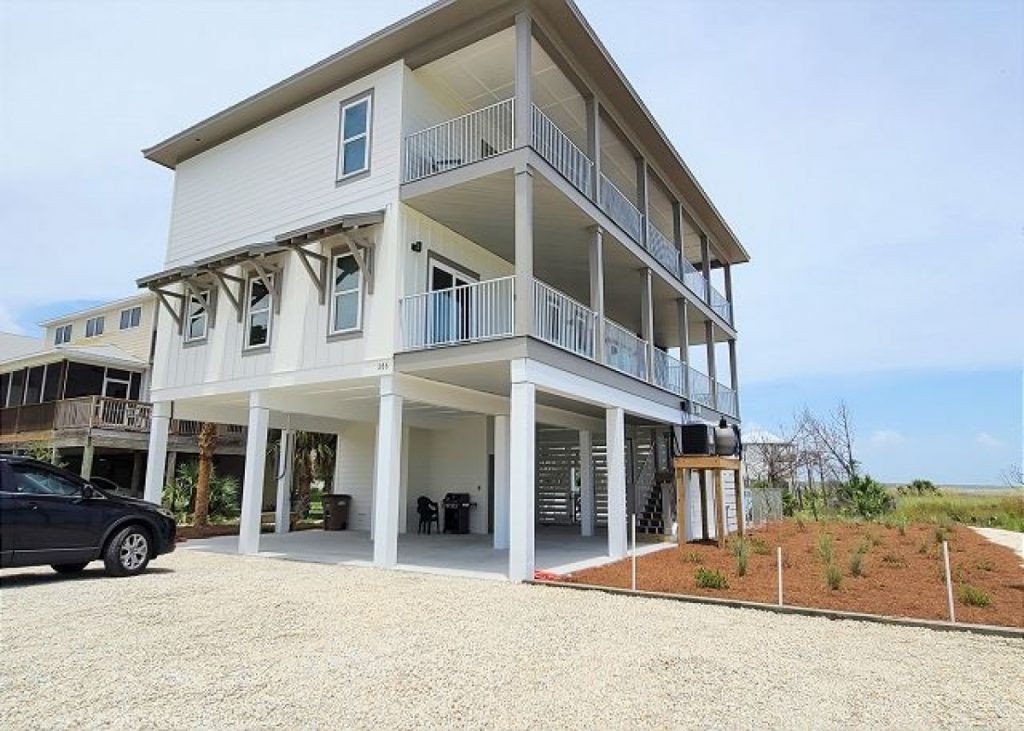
(902, 574)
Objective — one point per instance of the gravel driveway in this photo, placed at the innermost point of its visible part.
(230, 642)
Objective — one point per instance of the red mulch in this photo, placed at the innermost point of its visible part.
(902, 575)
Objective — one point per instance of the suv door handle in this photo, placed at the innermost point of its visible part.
(34, 506)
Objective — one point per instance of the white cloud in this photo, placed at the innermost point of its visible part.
(886, 438)
(987, 440)
(8, 323)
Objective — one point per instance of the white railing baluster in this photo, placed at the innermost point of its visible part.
(615, 203)
(624, 351)
(562, 321)
(460, 141)
(467, 313)
(555, 146)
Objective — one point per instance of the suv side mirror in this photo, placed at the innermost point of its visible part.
(88, 492)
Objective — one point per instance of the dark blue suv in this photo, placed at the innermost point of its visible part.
(50, 516)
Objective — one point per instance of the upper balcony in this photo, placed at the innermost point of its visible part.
(477, 87)
(484, 311)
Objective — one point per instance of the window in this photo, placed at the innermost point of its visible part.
(94, 326)
(32, 480)
(116, 383)
(62, 335)
(197, 317)
(257, 318)
(354, 146)
(130, 318)
(347, 295)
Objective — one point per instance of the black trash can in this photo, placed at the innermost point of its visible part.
(336, 511)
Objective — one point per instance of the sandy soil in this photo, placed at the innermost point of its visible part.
(902, 574)
(226, 642)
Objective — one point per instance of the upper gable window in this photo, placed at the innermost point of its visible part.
(131, 317)
(258, 313)
(354, 142)
(94, 326)
(62, 335)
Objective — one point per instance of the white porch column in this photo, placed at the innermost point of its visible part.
(587, 512)
(615, 432)
(88, 452)
(597, 289)
(388, 477)
(682, 322)
(647, 319)
(594, 145)
(252, 482)
(524, 79)
(524, 252)
(156, 460)
(705, 265)
(501, 481)
(403, 498)
(709, 336)
(285, 474)
(522, 439)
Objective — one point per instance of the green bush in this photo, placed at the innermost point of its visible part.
(179, 494)
(741, 550)
(865, 497)
(833, 576)
(758, 546)
(825, 548)
(707, 579)
(974, 597)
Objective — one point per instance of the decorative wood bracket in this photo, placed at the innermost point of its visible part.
(319, 279)
(162, 295)
(235, 300)
(361, 254)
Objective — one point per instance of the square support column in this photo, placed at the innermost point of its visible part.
(388, 477)
(615, 432)
(597, 289)
(709, 337)
(285, 476)
(524, 252)
(594, 145)
(647, 319)
(524, 79)
(502, 464)
(741, 516)
(702, 478)
(734, 380)
(641, 195)
(705, 265)
(156, 460)
(721, 525)
(587, 501)
(88, 451)
(522, 476)
(252, 482)
(682, 322)
(682, 484)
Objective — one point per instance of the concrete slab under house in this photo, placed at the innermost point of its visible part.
(466, 249)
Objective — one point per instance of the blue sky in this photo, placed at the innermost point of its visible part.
(868, 154)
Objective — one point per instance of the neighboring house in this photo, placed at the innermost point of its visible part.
(464, 246)
(82, 390)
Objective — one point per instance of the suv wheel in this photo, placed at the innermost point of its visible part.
(127, 553)
(68, 568)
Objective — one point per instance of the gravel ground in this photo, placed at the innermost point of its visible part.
(227, 642)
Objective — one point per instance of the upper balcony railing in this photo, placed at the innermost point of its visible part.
(484, 311)
(555, 146)
(490, 131)
(467, 139)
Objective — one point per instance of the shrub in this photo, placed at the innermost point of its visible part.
(875, 539)
(865, 497)
(825, 548)
(893, 560)
(833, 576)
(707, 579)
(974, 597)
(693, 557)
(986, 565)
(758, 546)
(857, 563)
(741, 550)
(941, 534)
(922, 487)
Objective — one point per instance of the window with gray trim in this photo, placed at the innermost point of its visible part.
(131, 317)
(197, 316)
(258, 309)
(346, 295)
(354, 137)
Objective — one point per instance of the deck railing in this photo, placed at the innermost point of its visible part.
(727, 400)
(562, 321)
(694, 280)
(463, 140)
(700, 388)
(662, 249)
(615, 203)
(668, 372)
(27, 418)
(462, 314)
(720, 304)
(555, 146)
(624, 351)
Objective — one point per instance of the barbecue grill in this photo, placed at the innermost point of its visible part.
(456, 507)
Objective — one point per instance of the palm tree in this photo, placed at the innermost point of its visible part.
(207, 448)
(314, 459)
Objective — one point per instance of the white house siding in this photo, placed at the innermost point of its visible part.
(136, 341)
(441, 240)
(282, 175)
(354, 470)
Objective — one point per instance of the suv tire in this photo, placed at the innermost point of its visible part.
(68, 568)
(128, 551)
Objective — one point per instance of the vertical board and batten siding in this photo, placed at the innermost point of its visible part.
(136, 341)
(354, 471)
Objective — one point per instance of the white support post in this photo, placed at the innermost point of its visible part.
(594, 145)
(597, 289)
(641, 195)
(709, 337)
(734, 379)
(403, 499)
(647, 319)
(285, 463)
(705, 265)
(156, 460)
(587, 512)
(615, 432)
(387, 481)
(682, 322)
(524, 79)
(87, 455)
(252, 482)
(502, 464)
(524, 252)
(522, 439)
